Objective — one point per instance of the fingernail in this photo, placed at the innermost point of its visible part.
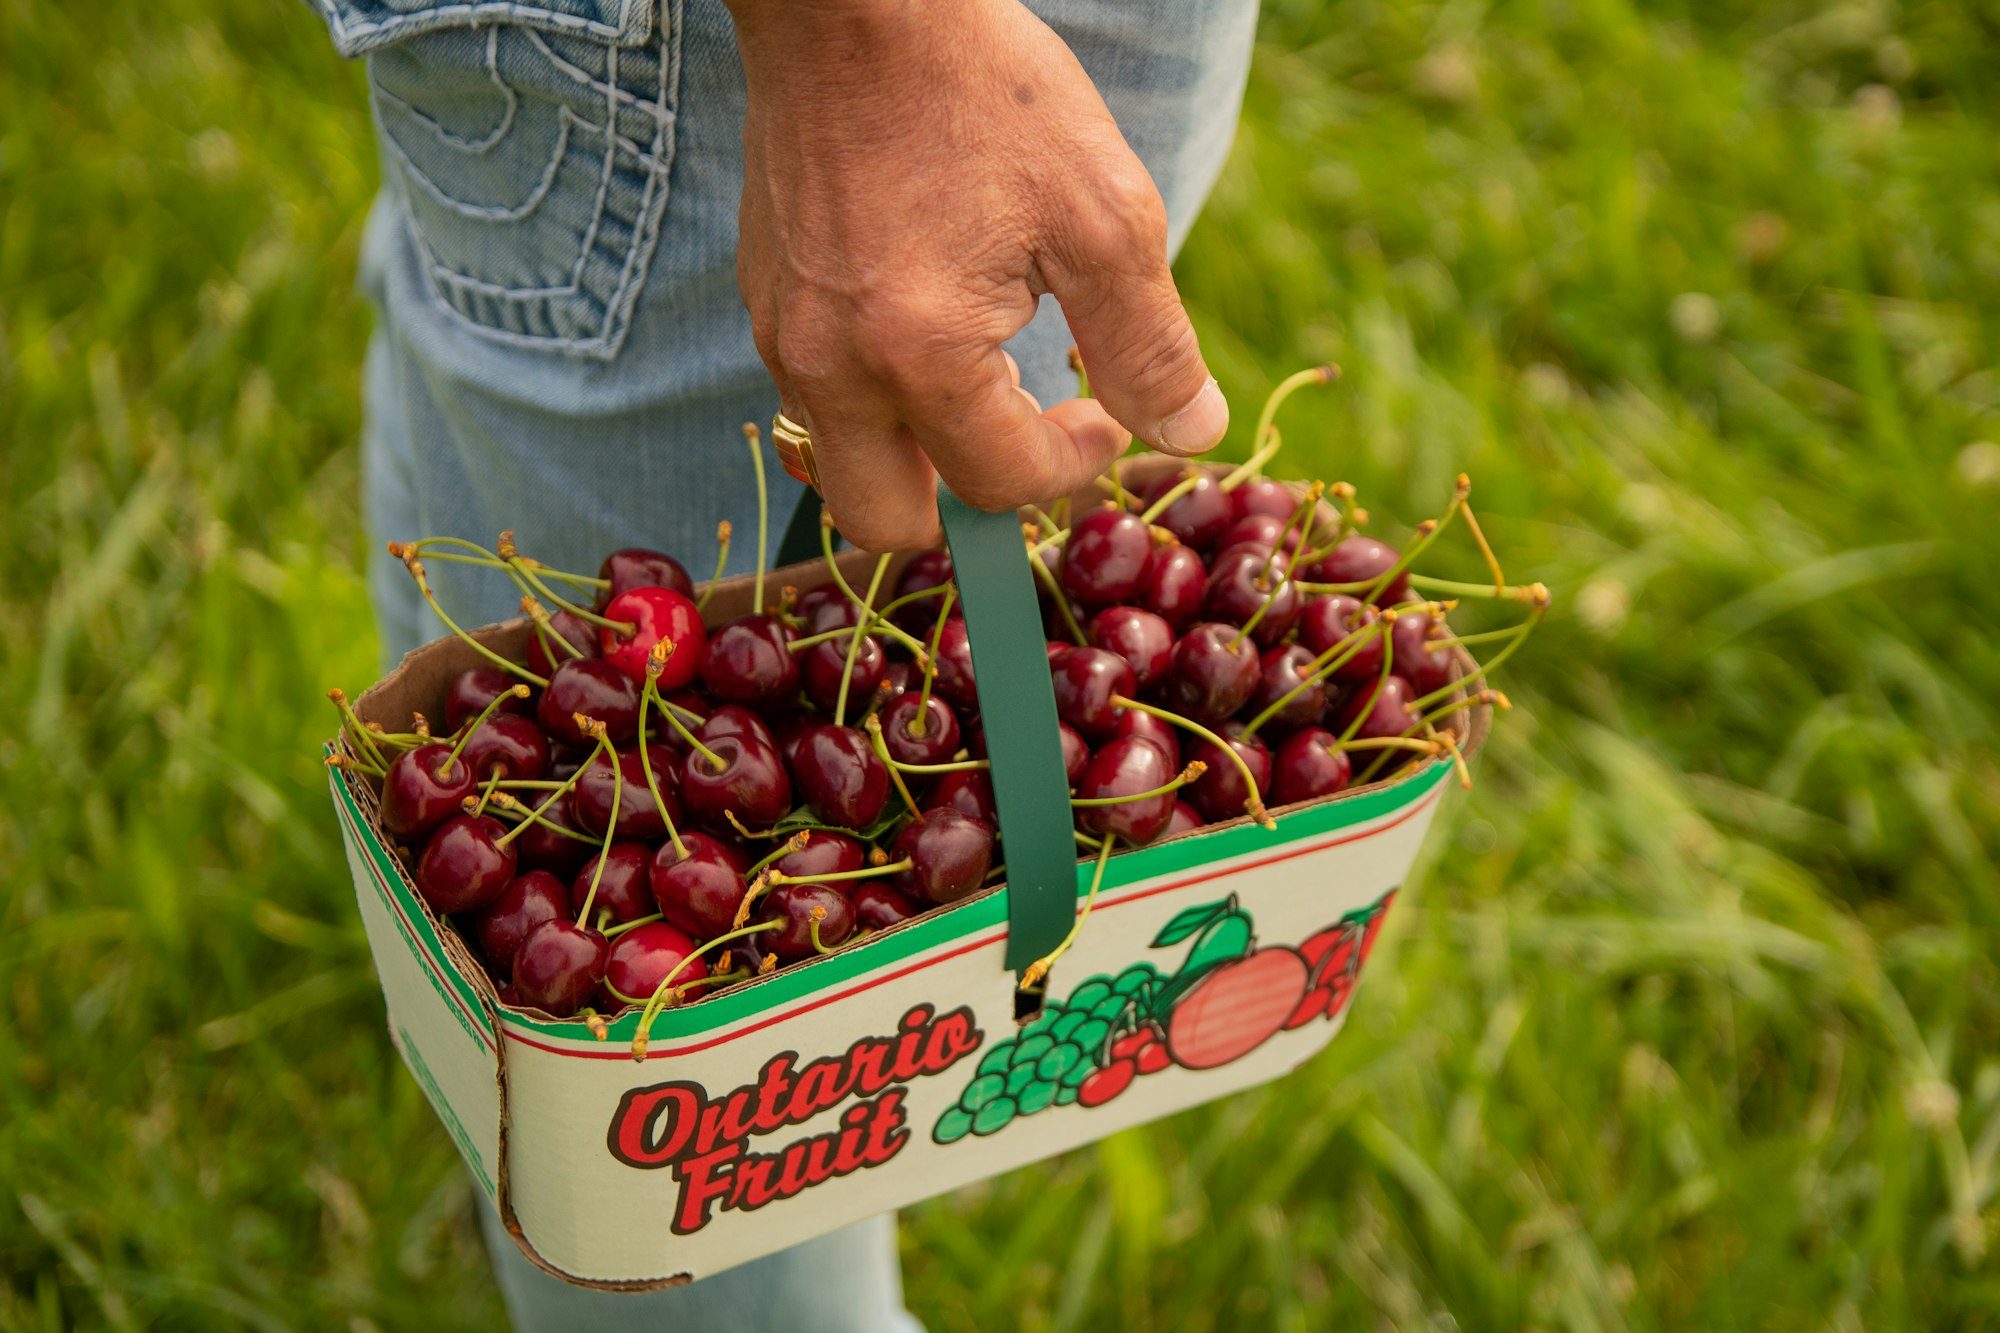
(1033, 401)
(1200, 425)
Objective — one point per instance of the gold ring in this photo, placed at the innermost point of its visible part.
(795, 449)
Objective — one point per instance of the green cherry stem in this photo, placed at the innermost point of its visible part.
(1254, 806)
(1048, 581)
(416, 568)
(920, 723)
(488, 793)
(847, 589)
(1033, 974)
(716, 761)
(792, 844)
(656, 661)
(881, 748)
(512, 692)
(615, 931)
(1521, 633)
(563, 788)
(1417, 548)
(545, 631)
(755, 441)
(1264, 452)
(854, 643)
(1082, 375)
(776, 877)
(610, 825)
(1318, 671)
(505, 802)
(1382, 679)
(874, 620)
(658, 1000)
(722, 535)
(364, 744)
(1528, 592)
(1189, 774)
(527, 569)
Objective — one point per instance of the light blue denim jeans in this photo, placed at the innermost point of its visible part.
(562, 351)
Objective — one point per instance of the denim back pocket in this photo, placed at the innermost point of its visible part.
(530, 147)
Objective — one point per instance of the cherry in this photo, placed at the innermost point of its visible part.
(1158, 731)
(1307, 766)
(1126, 768)
(474, 688)
(1258, 530)
(878, 906)
(510, 743)
(940, 738)
(789, 733)
(624, 890)
(825, 853)
(1329, 619)
(559, 966)
(949, 854)
(749, 661)
(899, 677)
(826, 608)
(954, 666)
(1383, 706)
(925, 570)
(825, 665)
(565, 760)
(1420, 658)
(465, 866)
(644, 956)
(752, 782)
(1262, 495)
(661, 615)
(545, 849)
(1104, 560)
(1176, 578)
(1220, 793)
(969, 792)
(735, 720)
(841, 777)
(797, 907)
(1361, 559)
(625, 774)
(572, 629)
(1084, 680)
(1185, 819)
(1284, 667)
(420, 791)
(1241, 581)
(595, 689)
(1055, 648)
(1144, 639)
(1197, 517)
(699, 891)
(1054, 605)
(1209, 679)
(528, 900)
(637, 567)
(1076, 752)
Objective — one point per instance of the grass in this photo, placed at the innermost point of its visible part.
(1690, 1018)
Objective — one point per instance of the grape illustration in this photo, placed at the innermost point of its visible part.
(1058, 1060)
(953, 1125)
(994, 1116)
(981, 1091)
(1038, 1097)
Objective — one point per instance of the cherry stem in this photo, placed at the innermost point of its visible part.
(527, 569)
(854, 643)
(881, 747)
(1471, 700)
(777, 877)
(847, 590)
(658, 1000)
(610, 825)
(722, 535)
(1055, 591)
(416, 568)
(546, 632)
(1110, 483)
(1189, 774)
(1486, 549)
(363, 744)
(615, 931)
(875, 619)
(919, 724)
(1383, 743)
(1417, 548)
(647, 695)
(1521, 633)
(1033, 974)
(1253, 805)
(792, 844)
(755, 441)
(667, 711)
(813, 918)
(1263, 452)
(511, 692)
(1189, 480)
(1301, 518)
(1318, 671)
(491, 790)
(562, 789)
(1082, 375)
(1347, 733)
(957, 766)
(1450, 743)
(1311, 501)
(1043, 523)
(513, 806)
(1530, 592)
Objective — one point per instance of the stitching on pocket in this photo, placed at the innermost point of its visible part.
(610, 89)
(444, 135)
(635, 22)
(494, 212)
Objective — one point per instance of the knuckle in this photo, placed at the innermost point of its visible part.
(807, 346)
(1131, 218)
(1161, 357)
(900, 340)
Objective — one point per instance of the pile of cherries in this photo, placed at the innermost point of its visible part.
(647, 807)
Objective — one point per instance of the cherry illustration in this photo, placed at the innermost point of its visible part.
(1176, 578)
(661, 615)
(1220, 793)
(474, 688)
(1144, 639)
(1361, 559)
(510, 743)
(559, 966)
(1125, 768)
(465, 865)
(644, 956)
(1107, 1082)
(1085, 679)
(749, 661)
(1329, 619)
(939, 738)
(528, 900)
(1209, 678)
(804, 911)
(596, 689)
(624, 890)
(423, 788)
(1235, 1008)
(1104, 560)
(699, 884)
(637, 567)
(1284, 669)
(1307, 766)
(841, 777)
(949, 854)
(1198, 516)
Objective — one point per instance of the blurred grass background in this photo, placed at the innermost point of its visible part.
(1690, 1019)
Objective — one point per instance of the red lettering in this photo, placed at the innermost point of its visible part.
(636, 1140)
(704, 1179)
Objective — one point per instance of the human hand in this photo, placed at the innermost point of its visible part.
(915, 177)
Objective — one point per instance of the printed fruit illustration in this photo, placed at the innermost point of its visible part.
(1236, 1008)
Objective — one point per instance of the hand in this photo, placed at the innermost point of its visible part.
(915, 176)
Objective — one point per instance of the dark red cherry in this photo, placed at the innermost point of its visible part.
(542, 848)
(529, 899)
(926, 570)
(510, 743)
(749, 661)
(474, 688)
(826, 608)
(1307, 767)
(1259, 531)
(693, 712)
(937, 740)
(559, 966)
(1284, 669)
(465, 866)
(840, 776)
(637, 567)
(1240, 582)
(643, 957)
(1221, 793)
(1420, 658)
(1262, 495)
(1147, 727)
(1125, 768)
(701, 891)
(1328, 619)
(899, 677)
(624, 890)
(1361, 559)
(877, 906)
(1076, 753)
(1185, 819)
(789, 731)
(595, 689)
(949, 854)
(421, 790)
(954, 666)
(1197, 517)
(752, 783)
(1085, 680)
(1144, 639)
(1383, 705)
(1209, 679)
(796, 908)
(572, 629)
(825, 853)
(1104, 560)
(659, 615)
(1176, 578)
(639, 817)
(1055, 624)
(825, 665)
(735, 720)
(968, 791)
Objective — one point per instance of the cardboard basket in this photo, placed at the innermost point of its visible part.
(892, 1069)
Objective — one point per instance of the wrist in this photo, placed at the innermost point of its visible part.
(851, 24)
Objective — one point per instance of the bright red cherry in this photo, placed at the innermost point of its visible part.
(474, 688)
(699, 892)
(422, 790)
(528, 900)
(1307, 767)
(1209, 678)
(1104, 560)
(751, 784)
(1145, 640)
(1361, 559)
(637, 567)
(643, 957)
(841, 777)
(465, 866)
(949, 855)
(1085, 679)
(660, 614)
(559, 966)
(749, 661)
(1126, 768)
(939, 738)
(1328, 619)
(595, 689)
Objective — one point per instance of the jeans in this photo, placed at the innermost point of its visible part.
(561, 351)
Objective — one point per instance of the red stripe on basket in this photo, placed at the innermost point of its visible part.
(820, 1002)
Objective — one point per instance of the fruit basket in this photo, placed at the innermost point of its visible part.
(657, 1145)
